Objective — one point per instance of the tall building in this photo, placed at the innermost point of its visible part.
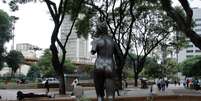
(77, 48)
(28, 50)
(191, 50)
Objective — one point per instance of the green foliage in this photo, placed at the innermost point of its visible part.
(14, 59)
(83, 27)
(5, 33)
(84, 23)
(196, 70)
(84, 98)
(191, 67)
(46, 68)
(34, 72)
(45, 64)
(69, 67)
(154, 70)
(166, 4)
(170, 68)
(73, 7)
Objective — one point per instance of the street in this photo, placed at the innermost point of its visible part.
(10, 94)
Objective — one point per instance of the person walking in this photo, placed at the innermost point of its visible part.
(47, 86)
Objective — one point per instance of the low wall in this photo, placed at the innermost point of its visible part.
(145, 98)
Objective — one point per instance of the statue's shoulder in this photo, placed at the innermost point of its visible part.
(97, 38)
(106, 37)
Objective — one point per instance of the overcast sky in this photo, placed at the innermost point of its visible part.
(34, 25)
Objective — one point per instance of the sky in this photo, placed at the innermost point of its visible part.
(35, 25)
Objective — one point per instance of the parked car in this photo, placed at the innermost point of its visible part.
(51, 81)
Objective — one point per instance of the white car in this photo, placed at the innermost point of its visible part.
(51, 81)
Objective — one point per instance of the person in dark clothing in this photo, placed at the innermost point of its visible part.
(166, 83)
(47, 86)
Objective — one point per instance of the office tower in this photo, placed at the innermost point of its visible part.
(191, 50)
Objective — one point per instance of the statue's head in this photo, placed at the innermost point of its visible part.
(101, 28)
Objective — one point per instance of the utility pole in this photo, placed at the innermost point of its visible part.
(13, 18)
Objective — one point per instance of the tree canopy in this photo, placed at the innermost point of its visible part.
(34, 72)
(191, 67)
(45, 65)
(14, 59)
(5, 33)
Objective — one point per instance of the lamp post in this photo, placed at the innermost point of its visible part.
(13, 19)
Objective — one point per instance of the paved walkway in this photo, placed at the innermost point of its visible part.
(10, 94)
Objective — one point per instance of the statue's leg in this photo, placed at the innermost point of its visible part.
(110, 89)
(99, 80)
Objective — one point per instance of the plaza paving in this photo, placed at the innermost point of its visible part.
(10, 94)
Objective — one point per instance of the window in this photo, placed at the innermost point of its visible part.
(188, 40)
(189, 46)
(197, 50)
(189, 56)
(198, 19)
(189, 51)
(199, 24)
(197, 30)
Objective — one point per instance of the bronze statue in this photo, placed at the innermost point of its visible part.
(105, 66)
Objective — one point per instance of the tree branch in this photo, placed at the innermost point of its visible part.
(53, 11)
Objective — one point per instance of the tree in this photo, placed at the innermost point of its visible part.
(191, 67)
(45, 65)
(184, 22)
(14, 59)
(5, 34)
(170, 68)
(33, 73)
(57, 13)
(152, 69)
(151, 28)
(58, 16)
(69, 67)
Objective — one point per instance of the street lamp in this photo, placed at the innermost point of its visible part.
(13, 19)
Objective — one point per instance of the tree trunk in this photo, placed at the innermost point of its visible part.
(119, 72)
(136, 79)
(62, 88)
(56, 63)
(58, 69)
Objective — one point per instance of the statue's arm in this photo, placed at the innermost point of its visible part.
(94, 45)
(93, 52)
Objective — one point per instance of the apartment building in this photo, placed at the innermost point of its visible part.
(77, 48)
(191, 50)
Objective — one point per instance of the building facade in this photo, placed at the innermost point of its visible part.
(191, 50)
(28, 50)
(77, 48)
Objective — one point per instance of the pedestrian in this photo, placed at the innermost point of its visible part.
(74, 84)
(47, 86)
(166, 83)
(163, 85)
(175, 82)
(78, 92)
(187, 83)
(159, 84)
